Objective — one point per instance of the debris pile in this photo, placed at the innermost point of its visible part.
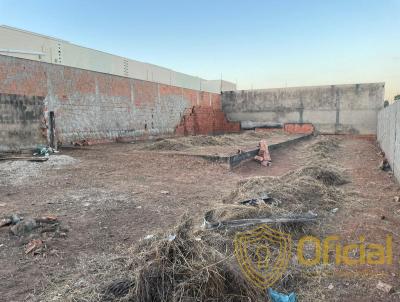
(45, 151)
(384, 165)
(35, 230)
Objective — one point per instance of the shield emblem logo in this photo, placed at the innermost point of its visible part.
(263, 254)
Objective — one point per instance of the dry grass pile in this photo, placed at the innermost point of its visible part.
(295, 193)
(236, 211)
(323, 148)
(167, 144)
(91, 279)
(182, 143)
(313, 187)
(322, 162)
(176, 266)
(250, 134)
(188, 269)
(328, 174)
(186, 142)
(206, 140)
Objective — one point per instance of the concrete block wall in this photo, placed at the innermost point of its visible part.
(332, 109)
(21, 119)
(98, 107)
(388, 135)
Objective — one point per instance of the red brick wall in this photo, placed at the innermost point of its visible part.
(94, 106)
(205, 120)
(22, 79)
(146, 93)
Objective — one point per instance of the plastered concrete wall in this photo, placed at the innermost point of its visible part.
(388, 135)
(21, 119)
(94, 106)
(332, 109)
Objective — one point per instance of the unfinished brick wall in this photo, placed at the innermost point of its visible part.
(98, 107)
(205, 120)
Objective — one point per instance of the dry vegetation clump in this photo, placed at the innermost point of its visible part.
(328, 174)
(167, 144)
(186, 142)
(187, 269)
(237, 211)
(206, 140)
(323, 148)
(91, 279)
(309, 188)
(175, 266)
(294, 193)
(182, 143)
(199, 265)
(250, 134)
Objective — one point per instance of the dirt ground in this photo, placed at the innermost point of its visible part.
(109, 196)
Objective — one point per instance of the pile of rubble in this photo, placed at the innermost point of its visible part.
(34, 231)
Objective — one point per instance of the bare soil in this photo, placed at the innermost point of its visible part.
(110, 196)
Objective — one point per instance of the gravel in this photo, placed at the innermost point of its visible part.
(17, 172)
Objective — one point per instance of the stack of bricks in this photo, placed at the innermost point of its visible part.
(297, 128)
(205, 120)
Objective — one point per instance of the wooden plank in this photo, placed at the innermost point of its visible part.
(38, 159)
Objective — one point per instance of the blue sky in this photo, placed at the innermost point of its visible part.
(258, 44)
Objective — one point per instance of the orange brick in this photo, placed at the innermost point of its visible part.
(304, 128)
